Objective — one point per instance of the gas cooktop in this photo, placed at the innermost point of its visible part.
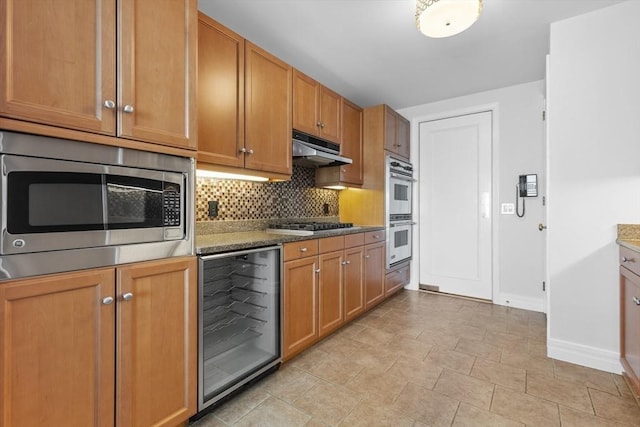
(306, 228)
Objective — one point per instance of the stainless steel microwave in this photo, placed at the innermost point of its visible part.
(67, 199)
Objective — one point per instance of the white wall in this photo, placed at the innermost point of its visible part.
(594, 177)
(518, 147)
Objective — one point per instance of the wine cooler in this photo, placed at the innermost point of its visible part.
(239, 320)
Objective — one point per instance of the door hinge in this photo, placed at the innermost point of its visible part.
(544, 115)
(544, 286)
(544, 200)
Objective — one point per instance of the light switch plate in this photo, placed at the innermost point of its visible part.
(507, 209)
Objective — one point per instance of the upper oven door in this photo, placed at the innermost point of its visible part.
(55, 204)
(399, 196)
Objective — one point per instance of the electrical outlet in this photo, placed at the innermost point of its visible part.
(325, 208)
(507, 209)
(213, 208)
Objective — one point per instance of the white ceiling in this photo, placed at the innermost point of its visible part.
(370, 51)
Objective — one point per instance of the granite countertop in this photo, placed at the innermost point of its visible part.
(207, 244)
(629, 236)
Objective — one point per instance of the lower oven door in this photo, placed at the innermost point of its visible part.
(399, 245)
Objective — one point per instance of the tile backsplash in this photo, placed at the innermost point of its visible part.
(245, 200)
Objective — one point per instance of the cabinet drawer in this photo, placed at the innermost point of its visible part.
(353, 240)
(301, 249)
(331, 244)
(630, 260)
(374, 237)
(396, 279)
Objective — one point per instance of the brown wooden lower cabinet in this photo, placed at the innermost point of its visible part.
(330, 281)
(300, 300)
(374, 263)
(64, 354)
(396, 278)
(630, 327)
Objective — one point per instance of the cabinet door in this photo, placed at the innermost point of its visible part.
(156, 343)
(267, 111)
(330, 292)
(58, 62)
(352, 143)
(300, 328)
(630, 326)
(330, 115)
(403, 140)
(57, 350)
(373, 274)
(390, 129)
(306, 92)
(156, 71)
(220, 94)
(353, 282)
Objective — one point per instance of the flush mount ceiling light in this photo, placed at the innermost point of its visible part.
(444, 18)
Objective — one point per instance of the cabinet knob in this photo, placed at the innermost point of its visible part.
(318, 124)
(625, 259)
(128, 109)
(367, 256)
(636, 300)
(317, 270)
(249, 151)
(322, 125)
(303, 249)
(376, 236)
(107, 300)
(109, 104)
(348, 262)
(128, 296)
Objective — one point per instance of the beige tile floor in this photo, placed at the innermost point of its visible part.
(421, 359)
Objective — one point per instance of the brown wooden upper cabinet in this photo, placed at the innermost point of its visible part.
(317, 110)
(351, 147)
(118, 68)
(396, 131)
(244, 102)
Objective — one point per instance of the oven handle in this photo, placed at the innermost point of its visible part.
(401, 223)
(402, 177)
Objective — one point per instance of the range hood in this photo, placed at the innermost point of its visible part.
(314, 152)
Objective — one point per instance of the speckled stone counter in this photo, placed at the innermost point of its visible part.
(207, 244)
(629, 236)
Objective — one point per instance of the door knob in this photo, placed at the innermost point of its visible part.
(542, 227)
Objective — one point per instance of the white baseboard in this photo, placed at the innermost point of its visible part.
(510, 300)
(584, 355)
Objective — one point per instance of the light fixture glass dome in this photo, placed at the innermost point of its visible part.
(444, 18)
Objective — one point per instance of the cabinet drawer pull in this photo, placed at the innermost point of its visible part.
(128, 296)
(625, 259)
(303, 249)
(636, 300)
(107, 300)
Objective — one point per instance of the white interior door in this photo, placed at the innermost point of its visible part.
(455, 205)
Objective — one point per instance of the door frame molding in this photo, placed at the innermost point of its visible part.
(494, 109)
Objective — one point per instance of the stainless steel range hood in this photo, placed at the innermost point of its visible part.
(310, 151)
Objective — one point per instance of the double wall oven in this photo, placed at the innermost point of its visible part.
(398, 199)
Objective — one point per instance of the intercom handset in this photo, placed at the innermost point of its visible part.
(527, 187)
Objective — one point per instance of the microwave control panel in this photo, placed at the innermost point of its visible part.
(171, 206)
